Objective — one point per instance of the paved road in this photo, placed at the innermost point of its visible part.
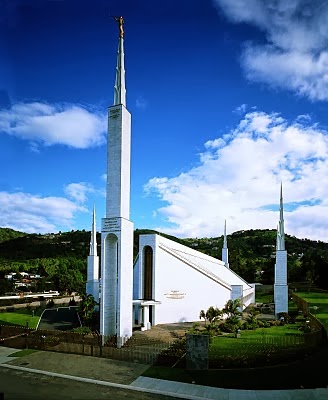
(61, 318)
(29, 386)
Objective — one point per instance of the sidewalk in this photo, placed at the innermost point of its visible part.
(126, 375)
(207, 392)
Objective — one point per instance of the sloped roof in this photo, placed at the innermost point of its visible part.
(207, 265)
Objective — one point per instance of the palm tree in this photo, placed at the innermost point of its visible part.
(233, 308)
(211, 315)
(87, 307)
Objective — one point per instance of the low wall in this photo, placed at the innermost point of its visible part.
(41, 303)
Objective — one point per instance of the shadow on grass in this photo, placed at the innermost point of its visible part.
(8, 323)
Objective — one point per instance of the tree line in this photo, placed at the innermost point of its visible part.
(61, 258)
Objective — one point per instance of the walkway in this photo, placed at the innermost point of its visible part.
(207, 392)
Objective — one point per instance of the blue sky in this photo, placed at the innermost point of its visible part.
(227, 100)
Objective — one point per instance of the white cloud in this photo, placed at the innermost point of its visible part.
(32, 213)
(294, 55)
(66, 124)
(239, 180)
(240, 109)
(78, 191)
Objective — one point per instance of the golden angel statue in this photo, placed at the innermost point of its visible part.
(120, 21)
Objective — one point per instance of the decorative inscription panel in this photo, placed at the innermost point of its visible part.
(111, 224)
(175, 294)
(114, 113)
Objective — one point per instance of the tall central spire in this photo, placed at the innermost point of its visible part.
(119, 88)
(117, 229)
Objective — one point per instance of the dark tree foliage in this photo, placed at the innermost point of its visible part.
(61, 258)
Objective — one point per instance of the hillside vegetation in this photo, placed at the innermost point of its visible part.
(61, 258)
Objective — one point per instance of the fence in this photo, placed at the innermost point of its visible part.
(136, 349)
(261, 350)
(305, 307)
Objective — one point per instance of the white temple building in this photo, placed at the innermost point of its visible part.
(168, 282)
(172, 282)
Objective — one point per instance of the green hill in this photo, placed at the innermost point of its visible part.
(8, 234)
(251, 254)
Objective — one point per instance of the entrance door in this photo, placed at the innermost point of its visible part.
(148, 274)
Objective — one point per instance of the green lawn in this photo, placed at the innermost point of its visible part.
(263, 297)
(263, 346)
(321, 301)
(23, 353)
(20, 317)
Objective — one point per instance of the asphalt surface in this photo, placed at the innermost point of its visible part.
(19, 385)
(62, 318)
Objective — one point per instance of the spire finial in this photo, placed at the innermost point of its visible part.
(119, 88)
(120, 21)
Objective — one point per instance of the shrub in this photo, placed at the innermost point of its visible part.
(260, 324)
(245, 326)
(84, 330)
(229, 327)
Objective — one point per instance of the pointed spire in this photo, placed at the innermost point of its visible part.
(225, 252)
(278, 239)
(119, 88)
(93, 241)
(225, 244)
(281, 222)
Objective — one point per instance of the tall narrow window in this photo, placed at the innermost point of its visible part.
(148, 273)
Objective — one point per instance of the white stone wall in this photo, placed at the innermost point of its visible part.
(281, 298)
(92, 285)
(117, 277)
(280, 286)
(118, 164)
(182, 291)
(136, 278)
(225, 257)
(281, 268)
(237, 292)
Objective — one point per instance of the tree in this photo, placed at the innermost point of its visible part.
(233, 311)
(212, 315)
(6, 285)
(86, 308)
(233, 308)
